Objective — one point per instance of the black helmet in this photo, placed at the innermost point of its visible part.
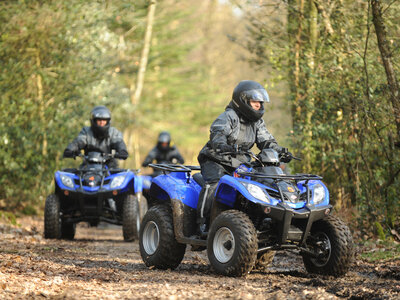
(245, 91)
(103, 113)
(164, 139)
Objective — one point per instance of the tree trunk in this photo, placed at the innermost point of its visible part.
(145, 53)
(133, 141)
(42, 108)
(386, 55)
(313, 38)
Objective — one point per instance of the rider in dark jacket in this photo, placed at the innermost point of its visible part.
(239, 127)
(99, 137)
(163, 152)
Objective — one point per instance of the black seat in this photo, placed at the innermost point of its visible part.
(199, 179)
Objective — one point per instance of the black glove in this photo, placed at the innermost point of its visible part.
(121, 155)
(285, 156)
(69, 153)
(227, 148)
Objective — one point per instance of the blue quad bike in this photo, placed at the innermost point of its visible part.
(257, 210)
(94, 193)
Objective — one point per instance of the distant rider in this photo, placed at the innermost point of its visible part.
(99, 137)
(239, 127)
(163, 152)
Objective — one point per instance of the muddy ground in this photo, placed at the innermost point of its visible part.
(99, 265)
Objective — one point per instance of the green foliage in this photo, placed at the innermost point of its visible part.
(343, 119)
(53, 60)
(381, 251)
(8, 217)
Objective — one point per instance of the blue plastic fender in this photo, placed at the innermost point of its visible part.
(175, 185)
(131, 181)
(229, 186)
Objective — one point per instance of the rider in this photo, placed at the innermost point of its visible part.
(99, 137)
(163, 152)
(239, 127)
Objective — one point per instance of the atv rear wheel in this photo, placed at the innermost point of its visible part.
(130, 218)
(232, 244)
(52, 217)
(158, 246)
(331, 239)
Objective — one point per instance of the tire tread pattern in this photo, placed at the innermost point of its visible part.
(130, 211)
(244, 258)
(342, 250)
(52, 228)
(169, 253)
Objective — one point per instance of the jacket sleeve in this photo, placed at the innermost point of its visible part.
(77, 144)
(150, 157)
(220, 129)
(117, 143)
(264, 139)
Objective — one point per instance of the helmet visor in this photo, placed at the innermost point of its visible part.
(259, 95)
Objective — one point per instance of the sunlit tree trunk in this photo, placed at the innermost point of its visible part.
(386, 55)
(310, 92)
(40, 98)
(132, 135)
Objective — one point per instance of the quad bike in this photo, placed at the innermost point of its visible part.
(94, 193)
(257, 210)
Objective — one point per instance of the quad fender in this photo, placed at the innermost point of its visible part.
(181, 192)
(175, 186)
(229, 187)
(132, 182)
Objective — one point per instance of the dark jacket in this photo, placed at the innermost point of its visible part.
(231, 129)
(88, 142)
(171, 155)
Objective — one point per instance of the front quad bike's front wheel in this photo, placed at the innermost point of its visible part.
(52, 218)
(158, 246)
(232, 244)
(130, 218)
(331, 240)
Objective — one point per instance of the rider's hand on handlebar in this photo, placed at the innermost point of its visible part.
(227, 148)
(285, 156)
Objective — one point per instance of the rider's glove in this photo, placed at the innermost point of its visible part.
(227, 148)
(121, 155)
(285, 156)
(70, 153)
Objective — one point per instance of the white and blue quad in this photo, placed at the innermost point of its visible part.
(257, 210)
(94, 193)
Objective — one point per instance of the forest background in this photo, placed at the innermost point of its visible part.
(330, 68)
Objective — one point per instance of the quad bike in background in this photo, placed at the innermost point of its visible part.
(257, 210)
(93, 193)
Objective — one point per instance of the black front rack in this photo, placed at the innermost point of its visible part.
(174, 168)
(276, 178)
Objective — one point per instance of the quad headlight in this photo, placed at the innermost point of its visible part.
(117, 181)
(319, 194)
(256, 191)
(67, 181)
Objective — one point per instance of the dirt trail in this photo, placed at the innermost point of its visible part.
(99, 265)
